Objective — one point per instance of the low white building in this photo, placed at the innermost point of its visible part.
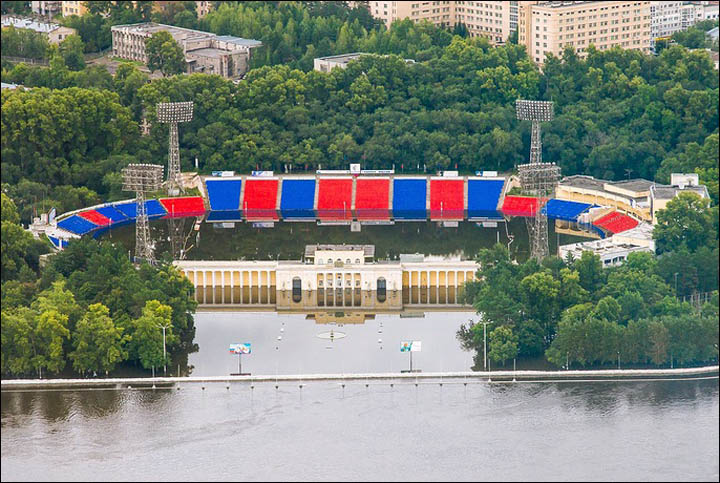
(55, 33)
(611, 251)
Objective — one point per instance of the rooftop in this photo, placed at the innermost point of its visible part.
(344, 58)
(368, 250)
(643, 231)
(182, 32)
(28, 23)
(605, 249)
(239, 41)
(560, 4)
(663, 192)
(583, 181)
(637, 184)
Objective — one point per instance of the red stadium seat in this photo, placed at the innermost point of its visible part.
(372, 198)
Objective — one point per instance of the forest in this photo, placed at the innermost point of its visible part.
(618, 114)
(578, 313)
(89, 310)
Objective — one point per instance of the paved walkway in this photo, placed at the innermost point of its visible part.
(388, 378)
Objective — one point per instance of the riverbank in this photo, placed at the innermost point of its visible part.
(391, 377)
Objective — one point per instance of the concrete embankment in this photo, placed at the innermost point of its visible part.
(415, 377)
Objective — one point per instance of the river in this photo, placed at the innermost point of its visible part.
(626, 431)
(650, 430)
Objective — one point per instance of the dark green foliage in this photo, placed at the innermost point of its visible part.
(24, 43)
(164, 54)
(585, 314)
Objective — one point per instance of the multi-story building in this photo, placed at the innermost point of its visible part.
(46, 8)
(665, 19)
(205, 52)
(202, 8)
(549, 27)
(55, 33)
(73, 8)
(441, 13)
(493, 20)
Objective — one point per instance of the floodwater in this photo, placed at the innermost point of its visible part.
(358, 345)
(287, 240)
(622, 431)
(626, 431)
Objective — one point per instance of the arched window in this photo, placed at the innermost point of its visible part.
(296, 289)
(381, 289)
(357, 260)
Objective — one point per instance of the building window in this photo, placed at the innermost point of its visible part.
(296, 289)
(381, 289)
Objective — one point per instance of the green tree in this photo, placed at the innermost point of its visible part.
(686, 221)
(50, 333)
(17, 341)
(58, 298)
(99, 344)
(72, 51)
(503, 344)
(164, 54)
(147, 337)
(590, 270)
(19, 251)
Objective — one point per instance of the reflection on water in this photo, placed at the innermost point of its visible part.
(338, 297)
(625, 431)
(286, 241)
(288, 343)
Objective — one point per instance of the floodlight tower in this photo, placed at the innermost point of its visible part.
(142, 178)
(537, 178)
(173, 113)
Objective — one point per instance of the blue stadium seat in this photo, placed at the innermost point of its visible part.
(76, 224)
(224, 195)
(297, 198)
(409, 198)
(564, 210)
(483, 197)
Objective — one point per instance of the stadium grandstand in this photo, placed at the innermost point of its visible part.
(341, 199)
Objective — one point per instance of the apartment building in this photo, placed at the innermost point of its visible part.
(548, 27)
(205, 52)
(440, 13)
(73, 8)
(665, 19)
(46, 8)
(493, 20)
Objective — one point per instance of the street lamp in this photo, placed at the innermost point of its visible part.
(485, 358)
(163, 327)
(676, 292)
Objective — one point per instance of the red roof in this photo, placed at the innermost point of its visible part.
(95, 217)
(520, 206)
(260, 199)
(334, 199)
(185, 206)
(616, 222)
(447, 199)
(372, 196)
